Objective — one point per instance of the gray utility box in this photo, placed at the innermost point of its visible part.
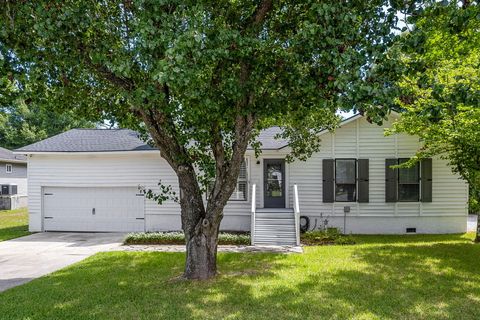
(12, 202)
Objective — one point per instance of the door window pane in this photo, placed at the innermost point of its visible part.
(274, 180)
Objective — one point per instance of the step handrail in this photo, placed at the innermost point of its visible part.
(296, 208)
(252, 228)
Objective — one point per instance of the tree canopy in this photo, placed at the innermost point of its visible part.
(201, 78)
(22, 124)
(439, 87)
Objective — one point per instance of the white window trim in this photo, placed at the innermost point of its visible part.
(239, 180)
(246, 181)
(7, 166)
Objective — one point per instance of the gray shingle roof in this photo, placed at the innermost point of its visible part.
(6, 154)
(108, 140)
(267, 138)
(90, 140)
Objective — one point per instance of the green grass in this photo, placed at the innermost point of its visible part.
(381, 277)
(13, 224)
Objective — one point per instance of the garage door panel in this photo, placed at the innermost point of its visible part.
(116, 209)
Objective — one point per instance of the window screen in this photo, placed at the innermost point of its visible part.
(408, 182)
(345, 180)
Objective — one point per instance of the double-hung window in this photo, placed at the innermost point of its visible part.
(408, 182)
(8, 168)
(345, 180)
(241, 190)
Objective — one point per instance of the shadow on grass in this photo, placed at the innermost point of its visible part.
(414, 238)
(422, 281)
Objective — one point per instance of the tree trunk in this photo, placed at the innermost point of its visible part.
(201, 260)
(200, 228)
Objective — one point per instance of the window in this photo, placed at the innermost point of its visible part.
(408, 182)
(241, 191)
(345, 180)
(8, 168)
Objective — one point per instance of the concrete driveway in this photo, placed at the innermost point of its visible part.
(24, 259)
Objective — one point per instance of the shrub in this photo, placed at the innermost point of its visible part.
(324, 237)
(177, 237)
(474, 203)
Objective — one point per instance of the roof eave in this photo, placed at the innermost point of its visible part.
(12, 160)
(85, 152)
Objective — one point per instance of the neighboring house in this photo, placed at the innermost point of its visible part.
(88, 180)
(13, 180)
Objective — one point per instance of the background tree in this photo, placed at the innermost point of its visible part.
(24, 124)
(201, 78)
(440, 85)
(22, 121)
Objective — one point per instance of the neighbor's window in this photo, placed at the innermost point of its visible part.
(8, 168)
(241, 191)
(408, 182)
(345, 180)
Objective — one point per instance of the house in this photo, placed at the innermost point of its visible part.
(89, 180)
(13, 180)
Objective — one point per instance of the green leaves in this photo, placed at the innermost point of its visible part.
(202, 63)
(440, 85)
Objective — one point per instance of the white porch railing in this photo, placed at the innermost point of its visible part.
(254, 200)
(296, 209)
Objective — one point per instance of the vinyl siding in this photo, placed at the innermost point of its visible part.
(19, 170)
(356, 139)
(360, 139)
(18, 176)
(113, 170)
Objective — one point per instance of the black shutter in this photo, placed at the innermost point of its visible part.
(328, 180)
(363, 180)
(391, 181)
(426, 179)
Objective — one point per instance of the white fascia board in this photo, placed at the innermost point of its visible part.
(64, 153)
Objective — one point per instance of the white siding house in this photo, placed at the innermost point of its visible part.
(13, 180)
(71, 188)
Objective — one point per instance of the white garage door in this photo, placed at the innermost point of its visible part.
(116, 209)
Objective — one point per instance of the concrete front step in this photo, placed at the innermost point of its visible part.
(275, 223)
(274, 216)
(275, 243)
(276, 229)
(279, 210)
(274, 226)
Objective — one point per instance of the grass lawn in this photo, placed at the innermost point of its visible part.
(13, 223)
(382, 277)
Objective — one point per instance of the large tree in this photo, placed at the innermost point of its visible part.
(201, 78)
(439, 84)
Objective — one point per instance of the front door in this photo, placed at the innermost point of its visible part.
(274, 183)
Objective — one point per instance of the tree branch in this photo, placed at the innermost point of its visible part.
(261, 12)
(105, 73)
